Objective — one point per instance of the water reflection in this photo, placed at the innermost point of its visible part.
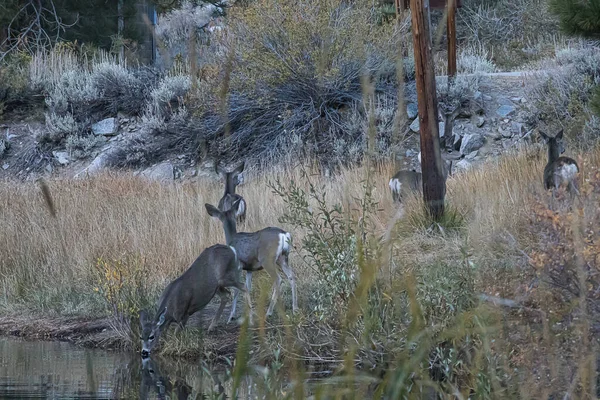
(58, 370)
(153, 379)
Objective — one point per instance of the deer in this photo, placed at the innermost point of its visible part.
(232, 180)
(215, 270)
(266, 249)
(559, 170)
(412, 181)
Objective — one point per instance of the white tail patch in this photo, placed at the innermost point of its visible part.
(395, 185)
(568, 172)
(284, 244)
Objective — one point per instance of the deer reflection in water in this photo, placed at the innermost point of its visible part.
(153, 379)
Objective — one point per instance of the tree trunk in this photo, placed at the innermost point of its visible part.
(434, 185)
(120, 26)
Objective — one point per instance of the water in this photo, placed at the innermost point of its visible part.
(56, 370)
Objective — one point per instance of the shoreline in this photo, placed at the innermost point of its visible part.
(96, 333)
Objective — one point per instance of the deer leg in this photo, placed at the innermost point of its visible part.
(275, 295)
(241, 288)
(233, 306)
(223, 296)
(292, 279)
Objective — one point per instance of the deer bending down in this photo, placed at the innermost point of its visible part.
(559, 170)
(216, 269)
(412, 181)
(232, 180)
(268, 248)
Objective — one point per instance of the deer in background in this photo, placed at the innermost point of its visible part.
(216, 269)
(559, 171)
(268, 248)
(232, 180)
(412, 181)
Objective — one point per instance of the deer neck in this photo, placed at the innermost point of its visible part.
(553, 152)
(230, 230)
(229, 185)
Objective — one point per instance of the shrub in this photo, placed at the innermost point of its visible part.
(72, 93)
(58, 128)
(122, 285)
(168, 97)
(330, 243)
(474, 60)
(118, 88)
(14, 84)
(80, 147)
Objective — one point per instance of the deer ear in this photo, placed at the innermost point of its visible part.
(161, 320)
(544, 136)
(240, 168)
(212, 210)
(560, 134)
(236, 204)
(217, 169)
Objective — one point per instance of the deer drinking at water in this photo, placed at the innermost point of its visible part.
(216, 269)
(268, 248)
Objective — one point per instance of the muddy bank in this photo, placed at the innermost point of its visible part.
(98, 333)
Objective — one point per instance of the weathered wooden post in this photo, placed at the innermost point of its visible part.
(451, 33)
(434, 185)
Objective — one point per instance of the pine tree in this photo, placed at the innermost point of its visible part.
(580, 18)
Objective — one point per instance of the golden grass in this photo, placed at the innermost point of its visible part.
(111, 216)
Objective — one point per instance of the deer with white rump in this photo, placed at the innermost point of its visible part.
(213, 272)
(559, 171)
(232, 180)
(412, 181)
(268, 248)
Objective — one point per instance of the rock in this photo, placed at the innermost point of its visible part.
(411, 153)
(49, 168)
(412, 110)
(517, 128)
(487, 97)
(441, 128)
(99, 163)
(106, 127)
(505, 133)
(505, 110)
(462, 165)
(61, 156)
(5, 166)
(471, 142)
(472, 155)
(163, 172)
(480, 122)
(415, 125)
(477, 95)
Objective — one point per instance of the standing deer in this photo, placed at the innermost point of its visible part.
(559, 170)
(232, 180)
(216, 269)
(268, 248)
(411, 180)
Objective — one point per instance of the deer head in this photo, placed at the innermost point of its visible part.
(151, 330)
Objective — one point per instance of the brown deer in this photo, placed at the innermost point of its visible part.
(232, 180)
(559, 171)
(412, 181)
(216, 269)
(268, 248)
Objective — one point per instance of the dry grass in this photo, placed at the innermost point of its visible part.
(48, 264)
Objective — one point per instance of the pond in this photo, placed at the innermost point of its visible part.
(57, 370)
